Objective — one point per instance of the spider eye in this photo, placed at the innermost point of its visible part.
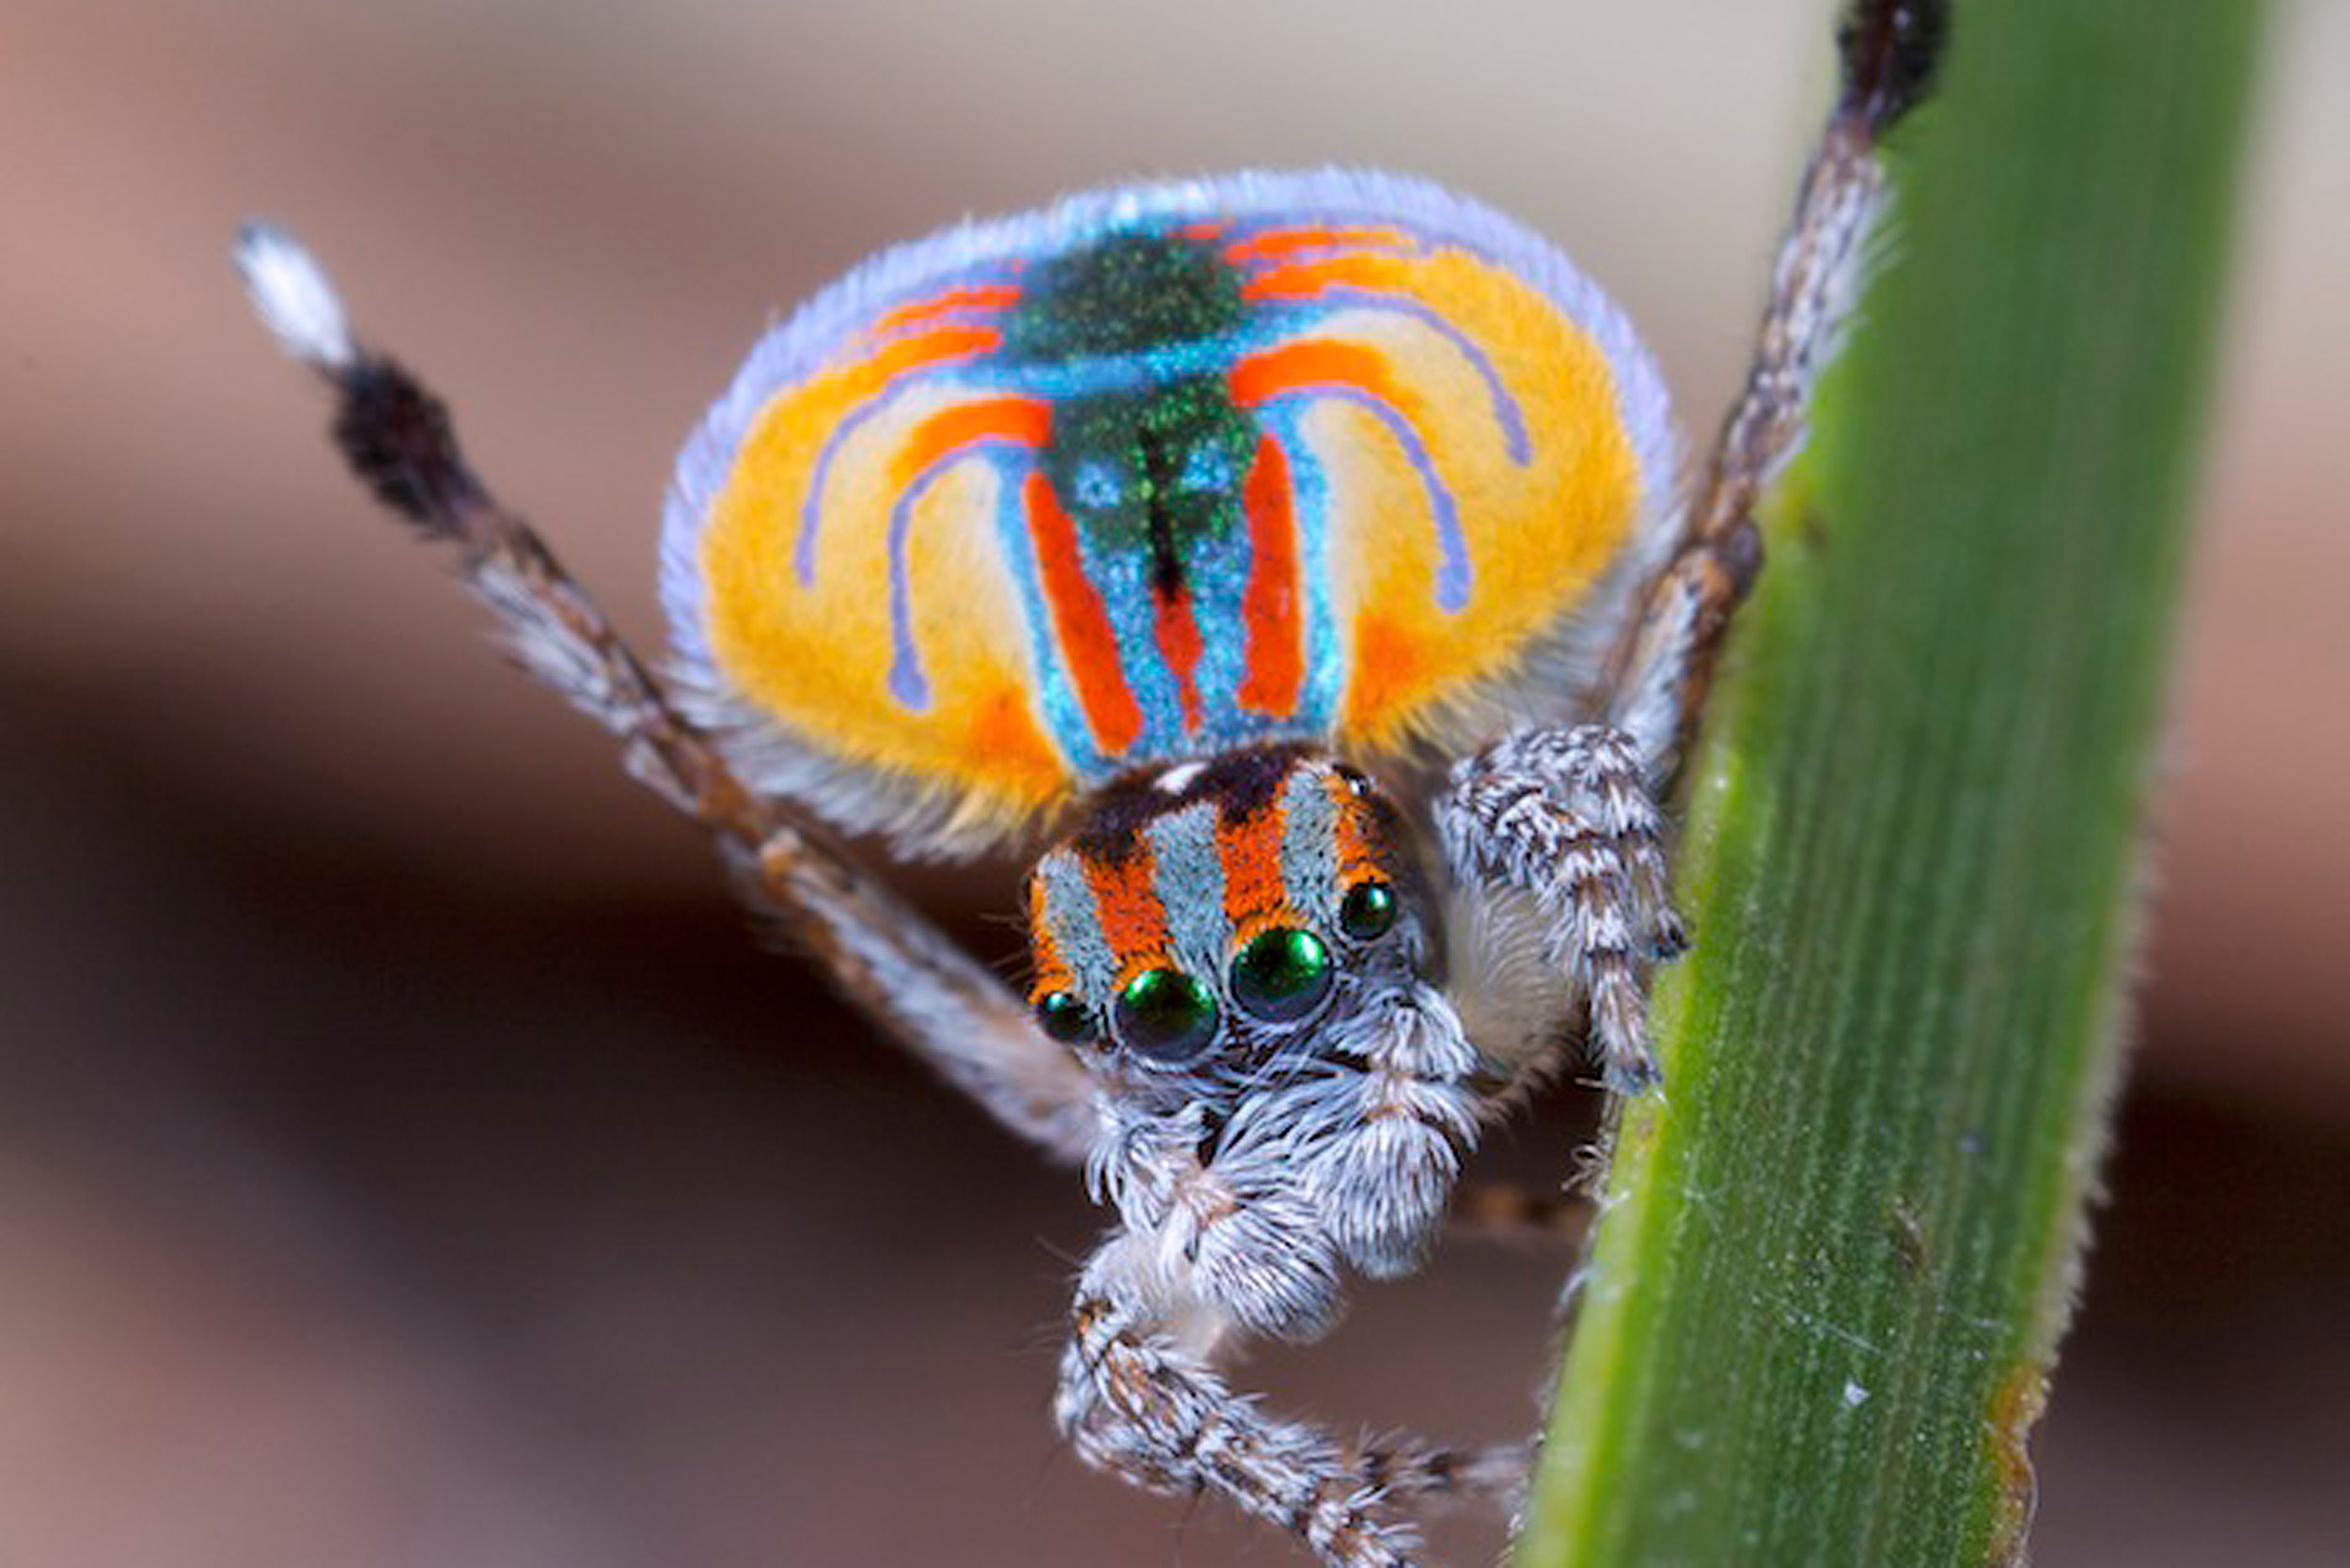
(1063, 1016)
(1282, 974)
(1165, 1016)
(1368, 910)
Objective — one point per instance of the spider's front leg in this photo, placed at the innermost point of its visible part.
(944, 1006)
(1236, 1224)
(1557, 850)
(1138, 1399)
(1138, 1402)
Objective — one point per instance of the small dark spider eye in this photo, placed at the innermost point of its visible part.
(1063, 1016)
(1368, 910)
(1282, 974)
(1165, 1016)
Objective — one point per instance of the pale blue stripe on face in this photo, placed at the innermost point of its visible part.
(1073, 920)
(1187, 874)
(1309, 846)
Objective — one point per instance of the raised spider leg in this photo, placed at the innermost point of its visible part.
(1569, 816)
(1661, 667)
(882, 955)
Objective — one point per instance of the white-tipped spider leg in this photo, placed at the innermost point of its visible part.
(886, 958)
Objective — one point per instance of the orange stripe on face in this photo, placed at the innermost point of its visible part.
(1051, 972)
(1276, 639)
(1025, 420)
(1363, 846)
(1080, 622)
(1256, 894)
(991, 297)
(1303, 279)
(1280, 241)
(1178, 633)
(1126, 897)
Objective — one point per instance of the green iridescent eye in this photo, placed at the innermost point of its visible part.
(1165, 1016)
(1063, 1016)
(1368, 910)
(1282, 974)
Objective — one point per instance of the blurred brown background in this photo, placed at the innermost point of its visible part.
(406, 1159)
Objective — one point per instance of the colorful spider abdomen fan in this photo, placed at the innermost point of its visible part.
(1151, 474)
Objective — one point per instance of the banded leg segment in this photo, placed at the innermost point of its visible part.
(1137, 1403)
(882, 955)
(1662, 666)
(1565, 818)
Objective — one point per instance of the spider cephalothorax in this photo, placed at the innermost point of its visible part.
(1139, 511)
(1206, 919)
(1242, 950)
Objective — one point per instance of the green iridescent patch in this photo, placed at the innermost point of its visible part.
(1160, 466)
(1123, 293)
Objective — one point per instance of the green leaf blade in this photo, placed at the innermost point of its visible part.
(1836, 1256)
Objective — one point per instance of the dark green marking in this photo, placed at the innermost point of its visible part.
(1129, 466)
(1156, 466)
(1121, 294)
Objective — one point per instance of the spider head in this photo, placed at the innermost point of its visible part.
(1212, 918)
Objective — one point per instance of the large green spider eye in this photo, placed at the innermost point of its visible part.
(1282, 974)
(1165, 1016)
(1064, 1016)
(1368, 910)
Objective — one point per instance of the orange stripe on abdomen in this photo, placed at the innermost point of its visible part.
(1269, 610)
(1300, 280)
(1025, 420)
(1320, 362)
(1088, 645)
(921, 350)
(990, 297)
(1177, 628)
(1280, 241)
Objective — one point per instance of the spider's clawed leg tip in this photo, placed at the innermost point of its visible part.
(1892, 52)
